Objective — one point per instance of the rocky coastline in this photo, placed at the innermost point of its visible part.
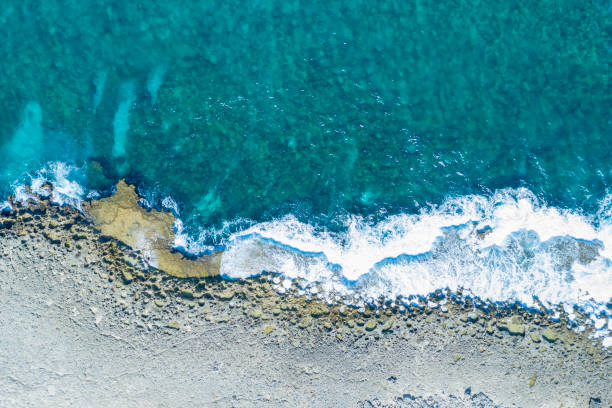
(244, 342)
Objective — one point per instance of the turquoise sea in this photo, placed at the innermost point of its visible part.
(375, 148)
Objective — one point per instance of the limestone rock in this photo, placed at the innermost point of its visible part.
(151, 232)
(187, 294)
(51, 237)
(318, 310)
(226, 295)
(388, 325)
(256, 314)
(370, 325)
(515, 327)
(127, 276)
(550, 335)
(305, 323)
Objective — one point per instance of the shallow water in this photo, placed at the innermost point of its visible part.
(361, 142)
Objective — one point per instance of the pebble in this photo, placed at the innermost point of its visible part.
(187, 294)
(127, 276)
(370, 325)
(550, 335)
(514, 327)
(532, 381)
(388, 325)
(227, 294)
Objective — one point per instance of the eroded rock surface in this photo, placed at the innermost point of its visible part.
(151, 232)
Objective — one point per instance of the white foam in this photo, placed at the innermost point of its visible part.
(63, 192)
(532, 253)
(5, 206)
(169, 204)
(504, 248)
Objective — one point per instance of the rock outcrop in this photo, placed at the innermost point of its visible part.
(150, 232)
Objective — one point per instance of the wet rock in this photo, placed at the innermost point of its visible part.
(472, 317)
(121, 217)
(318, 310)
(534, 337)
(388, 325)
(51, 237)
(370, 325)
(226, 295)
(78, 236)
(305, 323)
(187, 294)
(127, 276)
(7, 223)
(514, 327)
(550, 335)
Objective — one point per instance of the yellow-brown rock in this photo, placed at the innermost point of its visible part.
(151, 232)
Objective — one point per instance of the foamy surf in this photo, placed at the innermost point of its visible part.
(509, 247)
(65, 190)
(505, 248)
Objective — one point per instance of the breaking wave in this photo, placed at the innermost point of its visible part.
(507, 247)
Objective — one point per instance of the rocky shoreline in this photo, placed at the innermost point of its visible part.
(263, 342)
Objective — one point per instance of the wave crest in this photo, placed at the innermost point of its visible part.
(507, 247)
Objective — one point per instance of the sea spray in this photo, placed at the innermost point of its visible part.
(57, 181)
